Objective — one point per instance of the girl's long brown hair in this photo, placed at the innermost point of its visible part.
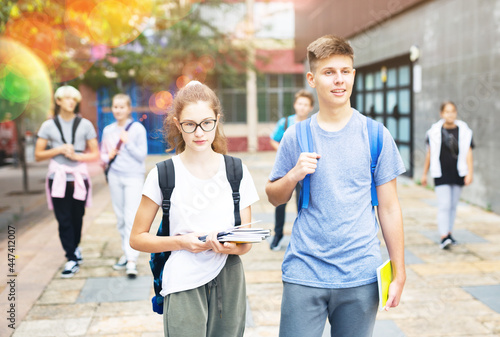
(191, 94)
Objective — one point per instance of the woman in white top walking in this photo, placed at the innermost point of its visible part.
(449, 158)
(124, 148)
(203, 282)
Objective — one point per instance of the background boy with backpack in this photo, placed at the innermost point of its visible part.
(73, 143)
(329, 268)
(303, 105)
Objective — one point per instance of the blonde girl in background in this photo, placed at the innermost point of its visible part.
(203, 282)
(124, 148)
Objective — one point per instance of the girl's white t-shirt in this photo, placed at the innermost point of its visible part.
(201, 206)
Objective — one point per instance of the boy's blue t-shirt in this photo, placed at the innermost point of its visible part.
(279, 130)
(334, 241)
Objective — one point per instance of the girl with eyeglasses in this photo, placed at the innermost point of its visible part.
(449, 158)
(203, 282)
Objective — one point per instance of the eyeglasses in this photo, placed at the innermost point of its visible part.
(206, 125)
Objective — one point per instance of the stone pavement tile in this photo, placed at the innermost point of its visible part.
(259, 276)
(415, 238)
(489, 251)
(384, 328)
(61, 311)
(412, 295)
(266, 317)
(115, 289)
(61, 291)
(432, 254)
(262, 331)
(442, 326)
(455, 268)
(264, 302)
(51, 328)
(125, 308)
(122, 334)
(150, 334)
(137, 323)
(454, 280)
(488, 294)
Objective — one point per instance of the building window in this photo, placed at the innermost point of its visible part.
(386, 96)
(275, 94)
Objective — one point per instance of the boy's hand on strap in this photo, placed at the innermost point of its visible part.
(306, 164)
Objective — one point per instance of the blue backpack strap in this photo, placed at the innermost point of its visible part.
(306, 144)
(376, 138)
(166, 179)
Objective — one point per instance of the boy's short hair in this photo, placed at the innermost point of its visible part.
(306, 94)
(68, 91)
(325, 47)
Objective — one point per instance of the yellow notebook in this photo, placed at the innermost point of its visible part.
(384, 279)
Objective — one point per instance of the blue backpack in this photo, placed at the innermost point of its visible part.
(306, 143)
(166, 179)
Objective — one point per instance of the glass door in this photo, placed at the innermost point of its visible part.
(383, 92)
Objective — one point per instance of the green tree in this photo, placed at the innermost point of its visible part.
(190, 46)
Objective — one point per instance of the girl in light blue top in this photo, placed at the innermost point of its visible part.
(126, 173)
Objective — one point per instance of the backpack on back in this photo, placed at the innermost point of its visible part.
(306, 143)
(166, 179)
(76, 122)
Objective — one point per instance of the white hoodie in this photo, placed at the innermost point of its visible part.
(464, 142)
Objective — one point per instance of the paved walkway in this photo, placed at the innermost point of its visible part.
(448, 293)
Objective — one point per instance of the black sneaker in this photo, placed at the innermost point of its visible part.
(445, 243)
(453, 241)
(70, 269)
(121, 264)
(276, 244)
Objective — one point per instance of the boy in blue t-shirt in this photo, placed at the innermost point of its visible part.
(303, 105)
(329, 268)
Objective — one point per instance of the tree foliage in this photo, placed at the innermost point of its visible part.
(177, 42)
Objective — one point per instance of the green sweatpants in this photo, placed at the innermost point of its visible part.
(216, 309)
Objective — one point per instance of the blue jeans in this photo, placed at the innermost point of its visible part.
(350, 311)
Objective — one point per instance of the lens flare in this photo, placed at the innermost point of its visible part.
(195, 71)
(208, 62)
(173, 11)
(74, 60)
(160, 102)
(182, 81)
(35, 32)
(109, 22)
(24, 82)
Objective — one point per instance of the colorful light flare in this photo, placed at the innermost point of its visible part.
(24, 82)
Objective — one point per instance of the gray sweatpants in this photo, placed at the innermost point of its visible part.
(126, 193)
(350, 311)
(448, 197)
(216, 309)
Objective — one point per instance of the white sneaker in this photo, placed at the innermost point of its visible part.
(131, 269)
(78, 254)
(70, 269)
(121, 264)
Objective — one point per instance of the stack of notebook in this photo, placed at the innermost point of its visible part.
(241, 234)
(244, 235)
